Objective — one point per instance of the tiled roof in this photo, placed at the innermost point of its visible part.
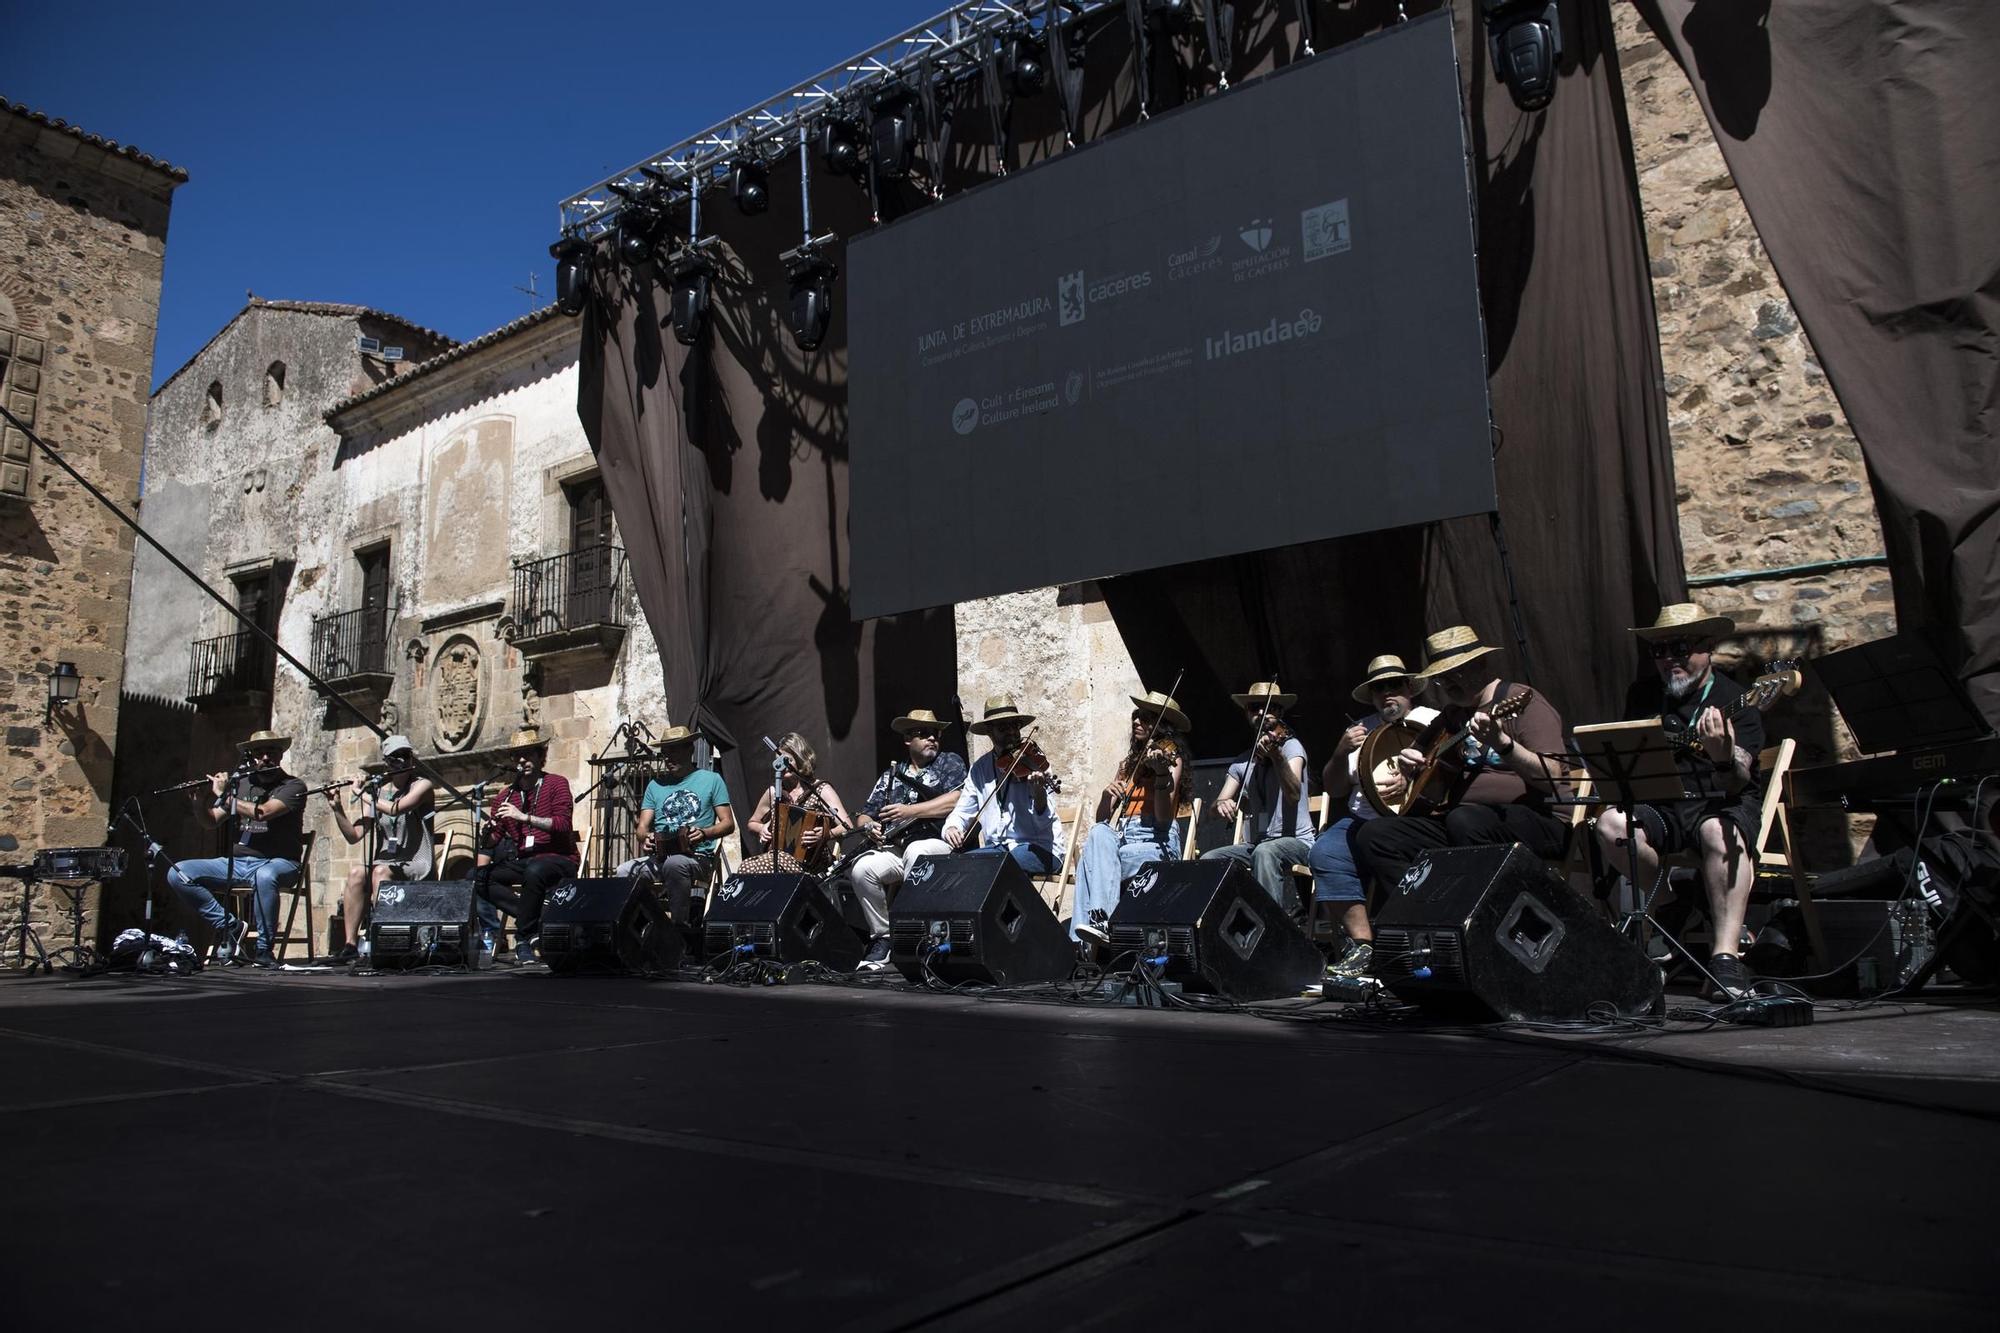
(442, 359)
(334, 308)
(98, 141)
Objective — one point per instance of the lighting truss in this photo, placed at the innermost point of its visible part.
(955, 43)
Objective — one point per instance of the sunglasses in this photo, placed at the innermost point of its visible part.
(1393, 685)
(1663, 648)
(922, 733)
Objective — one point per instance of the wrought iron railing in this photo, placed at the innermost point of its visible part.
(575, 590)
(227, 662)
(351, 643)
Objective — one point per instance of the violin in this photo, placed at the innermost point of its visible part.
(1025, 759)
(1159, 759)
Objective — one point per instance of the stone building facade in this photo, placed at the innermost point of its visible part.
(83, 236)
(425, 534)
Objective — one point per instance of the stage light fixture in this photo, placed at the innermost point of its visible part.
(1526, 39)
(693, 274)
(894, 134)
(840, 141)
(810, 275)
(572, 266)
(639, 226)
(749, 185)
(1027, 70)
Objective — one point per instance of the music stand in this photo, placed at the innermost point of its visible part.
(1638, 763)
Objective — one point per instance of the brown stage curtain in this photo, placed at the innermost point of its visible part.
(1864, 136)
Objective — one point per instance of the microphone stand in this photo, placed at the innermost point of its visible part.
(133, 815)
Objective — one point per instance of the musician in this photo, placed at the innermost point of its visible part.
(267, 806)
(401, 803)
(1691, 699)
(1268, 784)
(683, 817)
(1493, 788)
(1391, 688)
(533, 842)
(906, 801)
(1014, 812)
(1136, 812)
(803, 789)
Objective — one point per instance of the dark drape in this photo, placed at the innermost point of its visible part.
(1864, 136)
(1584, 464)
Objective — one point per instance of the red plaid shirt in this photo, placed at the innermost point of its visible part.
(553, 802)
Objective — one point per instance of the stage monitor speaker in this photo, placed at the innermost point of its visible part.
(976, 917)
(608, 926)
(423, 923)
(1495, 931)
(1218, 930)
(784, 916)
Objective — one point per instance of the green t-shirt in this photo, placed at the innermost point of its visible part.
(689, 803)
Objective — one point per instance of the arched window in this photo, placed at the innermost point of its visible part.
(274, 384)
(211, 411)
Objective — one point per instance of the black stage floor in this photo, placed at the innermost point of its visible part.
(516, 1149)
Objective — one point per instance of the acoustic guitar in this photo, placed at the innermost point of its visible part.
(1392, 738)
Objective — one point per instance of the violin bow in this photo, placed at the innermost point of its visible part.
(1006, 777)
(1152, 734)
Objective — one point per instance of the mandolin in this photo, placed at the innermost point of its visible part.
(1400, 735)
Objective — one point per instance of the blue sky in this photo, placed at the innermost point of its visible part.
(407, 156)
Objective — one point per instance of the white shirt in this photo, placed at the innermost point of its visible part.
(1010, 817)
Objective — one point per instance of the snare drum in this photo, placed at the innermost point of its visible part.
(79, 864)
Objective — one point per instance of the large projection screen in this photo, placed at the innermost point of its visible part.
(1250, 322)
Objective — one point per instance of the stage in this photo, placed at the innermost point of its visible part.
(514, 1149)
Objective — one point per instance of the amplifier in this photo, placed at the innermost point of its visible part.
(423, 923)
(975, 917)
(784, 916)
(608, 926)
(1218, 930)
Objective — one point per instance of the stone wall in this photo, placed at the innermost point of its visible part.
(83, 232)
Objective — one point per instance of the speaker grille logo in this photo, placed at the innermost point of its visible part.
(563, 896)
(921, 871)
(389, 895)
(1413, 878)
(1143, 882)
(731, 887)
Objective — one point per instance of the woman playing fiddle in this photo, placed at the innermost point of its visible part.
(1135, 814)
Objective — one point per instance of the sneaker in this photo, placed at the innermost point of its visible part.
(1732, 979)
(228, 940)
(877, 957)
(1090, 933)
(265, 959)
(524, 953)
(345, 955)
(1356, 957)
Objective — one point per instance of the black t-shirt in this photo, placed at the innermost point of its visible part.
(1648, 698)
(282, 836)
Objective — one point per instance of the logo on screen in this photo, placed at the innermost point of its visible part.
(1073, 387)
(965, 416)
(1069, 297)
(1257, 235)
(1231, 342)
(1325, 230)
(1197, 258)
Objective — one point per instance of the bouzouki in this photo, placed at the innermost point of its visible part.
(1387, 741)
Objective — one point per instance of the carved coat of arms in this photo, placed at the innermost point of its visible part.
(457, 695)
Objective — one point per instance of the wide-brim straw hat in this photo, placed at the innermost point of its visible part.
(1000, 708)
(1263, 692)
(396, 745)
(1686, 620)
(1452, 647)
(264, 740)
(1169, 710)
(915, 718)
(676, 736)
(1386, 667)
(527, 738)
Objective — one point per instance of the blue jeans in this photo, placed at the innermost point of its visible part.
(1110, 856)
(1335, 879)
(1270, 863)
(193, 880)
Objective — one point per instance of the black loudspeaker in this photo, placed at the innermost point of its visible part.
(976, 917)
(1495, 931)
(608, 925)
(423, 923)
(787, 917)
(1218, 930)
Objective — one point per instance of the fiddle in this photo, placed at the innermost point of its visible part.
(1024, 760)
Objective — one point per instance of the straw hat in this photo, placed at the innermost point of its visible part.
(1686, 620)
(1450, 648)
(528, 738)
(999, 708)
(675, 736)
(1152, 701)
(1386, 667)
(264, 740)
(1263, 690)
(915, 718)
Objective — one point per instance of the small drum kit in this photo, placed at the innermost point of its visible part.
(71, 870)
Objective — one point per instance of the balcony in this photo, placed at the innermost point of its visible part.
(350, 649)
(229, 668)
(568, 603)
